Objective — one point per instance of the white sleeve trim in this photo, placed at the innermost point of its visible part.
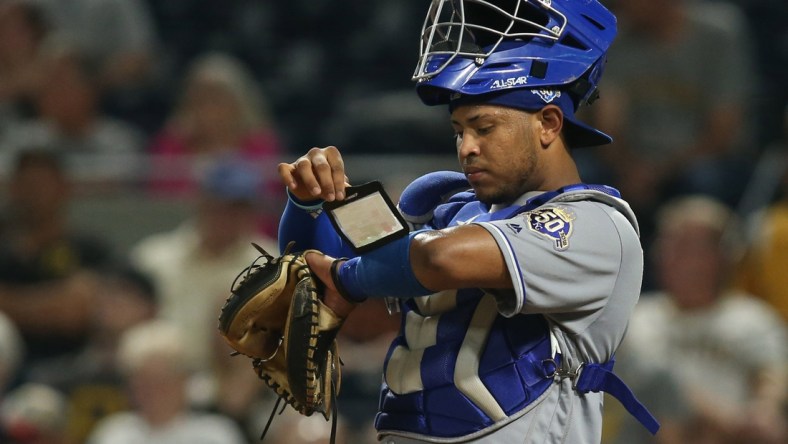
(506, 306)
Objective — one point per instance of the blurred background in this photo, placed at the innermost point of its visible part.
(138, 148)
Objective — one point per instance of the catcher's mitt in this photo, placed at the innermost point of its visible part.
(275, 317)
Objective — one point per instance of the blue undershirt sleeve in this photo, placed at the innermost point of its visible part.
(383, 272)
(307, 225)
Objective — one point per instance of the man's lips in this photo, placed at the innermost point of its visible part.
(473, 173)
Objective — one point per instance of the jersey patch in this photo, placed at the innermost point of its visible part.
(554, 223)
(516, 228)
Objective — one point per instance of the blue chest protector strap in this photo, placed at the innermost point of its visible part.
(600, 377)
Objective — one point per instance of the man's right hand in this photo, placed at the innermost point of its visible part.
(319, 174)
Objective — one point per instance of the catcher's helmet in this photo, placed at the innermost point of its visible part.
(475, 47)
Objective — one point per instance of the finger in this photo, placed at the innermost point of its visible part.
(305, 174)
(329, 167)
(286, 175)
(320, 264)
(338, 177)
(314, 257)
(340, 182)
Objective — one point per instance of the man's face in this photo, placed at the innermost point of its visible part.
(691, 263)
(497, 148)
(38, 192)
(222, 222)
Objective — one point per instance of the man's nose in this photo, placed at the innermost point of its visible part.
(467, 146)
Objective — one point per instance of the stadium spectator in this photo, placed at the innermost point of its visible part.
(220, 114)
(766, 20)
(120, 40)
(193, 267)
(23, 28)
(153, 356)
(762, 272)
(725, 349)
(89, 380)
(69, 118)
(33, 413)
(676, 101)
(47, 267)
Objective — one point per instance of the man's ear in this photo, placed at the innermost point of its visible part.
(552, 119)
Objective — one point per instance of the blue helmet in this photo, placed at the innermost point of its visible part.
(477, 47)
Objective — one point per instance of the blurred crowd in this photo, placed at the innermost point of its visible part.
(193, 102)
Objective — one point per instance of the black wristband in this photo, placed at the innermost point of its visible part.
(338, 284)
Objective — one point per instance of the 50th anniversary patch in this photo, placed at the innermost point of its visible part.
(552, 222)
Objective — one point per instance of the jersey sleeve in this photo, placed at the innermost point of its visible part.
(567, 257)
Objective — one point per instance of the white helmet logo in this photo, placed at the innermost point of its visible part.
(510, 82)
(547, 95)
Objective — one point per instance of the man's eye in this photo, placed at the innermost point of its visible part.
(484, 130)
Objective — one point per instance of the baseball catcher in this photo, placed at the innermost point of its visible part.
(515, 280)
(274, 316)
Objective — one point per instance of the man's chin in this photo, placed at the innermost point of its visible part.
(489, 198)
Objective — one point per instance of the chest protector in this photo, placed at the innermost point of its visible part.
(458, 366)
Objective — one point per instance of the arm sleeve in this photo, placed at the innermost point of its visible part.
(310, 229)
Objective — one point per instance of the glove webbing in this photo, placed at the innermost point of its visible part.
(246, 272)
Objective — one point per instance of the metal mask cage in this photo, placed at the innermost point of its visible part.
(475, 28)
